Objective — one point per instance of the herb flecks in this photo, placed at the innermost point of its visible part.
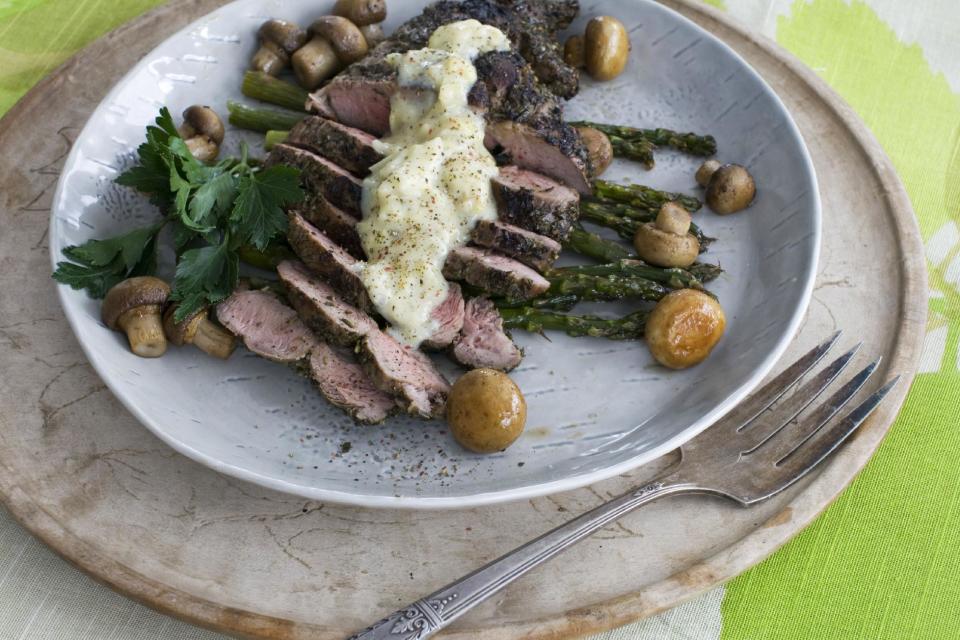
(213, 209)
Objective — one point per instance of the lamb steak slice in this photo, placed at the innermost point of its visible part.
(345, 146)
(483, 342)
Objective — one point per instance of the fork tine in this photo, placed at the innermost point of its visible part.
(761, 400)
(800, 400)
(799, 462)
(798, 431)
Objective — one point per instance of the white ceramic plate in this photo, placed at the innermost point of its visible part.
(596, 408)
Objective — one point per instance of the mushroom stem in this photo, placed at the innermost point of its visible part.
(214, 340)
(144, 330)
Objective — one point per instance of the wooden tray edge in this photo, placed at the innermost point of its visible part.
(602, 616)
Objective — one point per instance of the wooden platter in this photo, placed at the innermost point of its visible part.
(80, 473)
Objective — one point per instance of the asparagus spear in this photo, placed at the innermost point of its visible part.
(593, 246)
(274, 138)
(263, 86)
(626, 228)
(563, 302)
(705, 272)
(267, 258)
(624, 219)
(262, 120)
(629, 327)
(674, 278)
(642, 197)
(588, 287)
(638, 150)
(691, 143)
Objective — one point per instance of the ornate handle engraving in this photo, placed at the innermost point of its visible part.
(417, 621)
(425, 617)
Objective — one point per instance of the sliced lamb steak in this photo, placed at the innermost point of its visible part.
(322, 308)
(273, 330)
(328, 260)
(321, 176)
(551, 153)
(482, 342)
(345, 384)
(267, 327)
(494, 273)
(532, 249)
(345, 146)
(507, 89)
(530, 25)
(404, 372)
(334, 222)
(536, 203)
(449, 319)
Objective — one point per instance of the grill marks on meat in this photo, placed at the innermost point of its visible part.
(273, 330)
(536, 203)
(328, 260)
(345, 146)
(322, 308)
(448, 318)
(494, 273)
(404, 372)
(396, 369)
(483, 342)
(334, 222)
(346, 385)
(320, 175)
(532, 249)
(508, 90)
(267, 327)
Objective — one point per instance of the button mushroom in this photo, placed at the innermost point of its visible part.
(361, 12)
(606, 47)
(278, 40)
(684, 328)
(133, 306)
(667, 241)
(199, 331)
(373, 34)
(706, 171)
(486, 411)
(730, 189)
(599, 149)
(202, 130)
(314, 62)
(343, 35)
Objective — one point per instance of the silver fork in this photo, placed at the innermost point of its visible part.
(757, 451)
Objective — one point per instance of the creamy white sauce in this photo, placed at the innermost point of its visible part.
(423, 199)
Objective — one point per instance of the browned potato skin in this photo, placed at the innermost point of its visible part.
(606, 48)
(599, 149)
(684, 328)
(486, 411)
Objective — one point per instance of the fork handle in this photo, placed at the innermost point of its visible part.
(428, 615)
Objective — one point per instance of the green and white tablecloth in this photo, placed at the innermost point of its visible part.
(881, 563)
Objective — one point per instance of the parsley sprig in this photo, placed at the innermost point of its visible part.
(213, 211)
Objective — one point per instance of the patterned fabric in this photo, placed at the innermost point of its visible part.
(879, 563)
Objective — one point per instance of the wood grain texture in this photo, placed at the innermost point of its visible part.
(81, 474)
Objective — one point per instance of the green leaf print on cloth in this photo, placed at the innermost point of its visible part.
(39, 35)
(882, 562)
